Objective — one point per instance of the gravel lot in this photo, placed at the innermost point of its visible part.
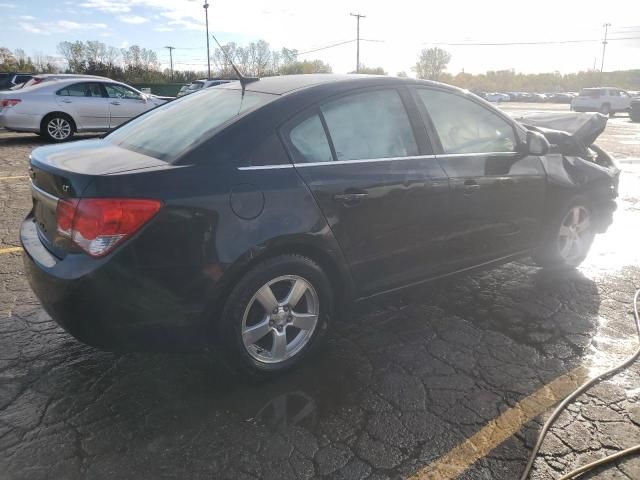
(403, 381)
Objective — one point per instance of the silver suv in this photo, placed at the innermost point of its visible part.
(606, 100)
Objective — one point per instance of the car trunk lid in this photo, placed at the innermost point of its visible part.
(65, 171)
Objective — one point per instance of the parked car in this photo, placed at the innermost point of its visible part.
(57, 109)
(47, 77)
(241, 219)
(606, 100)
(560, 98)
(11, 79)
(200, 84)
(498, 97)
(635, 110)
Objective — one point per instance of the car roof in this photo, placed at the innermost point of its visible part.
(64, 76)
(284, 84)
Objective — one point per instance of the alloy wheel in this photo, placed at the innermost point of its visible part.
(573, 237)
(280, 319)
(59, 128)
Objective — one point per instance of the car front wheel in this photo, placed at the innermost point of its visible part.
(57, 128)
(568, 238)
(276, 315)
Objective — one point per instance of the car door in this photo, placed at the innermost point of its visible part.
(86, 103)
(375, 179)
(124, 103)
(497, 193)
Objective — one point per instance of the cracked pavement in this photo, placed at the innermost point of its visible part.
(403, 380)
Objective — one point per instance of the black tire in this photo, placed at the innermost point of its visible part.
(552, 252)
(242, 301)
(605, 109)
(49, 130)
(634, 114)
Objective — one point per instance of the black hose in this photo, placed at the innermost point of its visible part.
(577, 393)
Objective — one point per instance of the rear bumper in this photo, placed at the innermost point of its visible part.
(108, 303)
(19, 122)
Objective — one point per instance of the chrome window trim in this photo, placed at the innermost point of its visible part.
(374, 160)
(266, 167)
(366, 160)
(480, 154)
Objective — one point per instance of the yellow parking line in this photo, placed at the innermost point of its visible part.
(501, 428)
(10, 250)
(16, 177)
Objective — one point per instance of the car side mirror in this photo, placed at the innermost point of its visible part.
(537, 144)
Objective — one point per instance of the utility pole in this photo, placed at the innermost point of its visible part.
(358, 17)
(604, 44)
(171, 49)
(206, 17)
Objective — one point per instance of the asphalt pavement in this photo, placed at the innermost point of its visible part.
(451, 380)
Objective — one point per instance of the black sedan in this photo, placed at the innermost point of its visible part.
(242, 219)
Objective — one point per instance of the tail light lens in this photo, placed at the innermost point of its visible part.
(97, 225)
(9, 102)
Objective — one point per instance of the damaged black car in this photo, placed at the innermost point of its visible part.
(241, 217)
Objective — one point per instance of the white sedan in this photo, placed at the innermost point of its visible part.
(57, 109)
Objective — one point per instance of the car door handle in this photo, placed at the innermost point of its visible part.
(115, 102)
(470, 186)
(66, 101)
(350, 197)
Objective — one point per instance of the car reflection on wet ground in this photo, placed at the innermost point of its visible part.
(404, 381)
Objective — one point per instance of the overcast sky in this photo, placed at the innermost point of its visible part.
(400, 28)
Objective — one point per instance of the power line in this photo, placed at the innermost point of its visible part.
(327, 46)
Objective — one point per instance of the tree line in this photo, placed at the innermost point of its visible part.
(137, 64)
(433, 62)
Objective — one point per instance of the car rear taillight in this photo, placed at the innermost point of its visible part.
(9, 102)
(97, 225)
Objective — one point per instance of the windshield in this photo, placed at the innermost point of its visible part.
(171, 129)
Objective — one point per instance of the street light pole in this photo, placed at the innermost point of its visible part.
(604, 44)
(206, 17)
(358, 17)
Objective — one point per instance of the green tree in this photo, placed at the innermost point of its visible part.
(432, 63)
(306, 66)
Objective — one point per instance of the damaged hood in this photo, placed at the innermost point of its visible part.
(568, 133)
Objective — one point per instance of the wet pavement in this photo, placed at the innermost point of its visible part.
(403, 382)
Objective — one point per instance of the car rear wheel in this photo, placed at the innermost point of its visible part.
(57, 127)
(568, 238)
(605, 109)
(276, 315)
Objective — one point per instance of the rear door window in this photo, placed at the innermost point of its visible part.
(307, 140)
(464, 126)
(370, 125)
(81, 90)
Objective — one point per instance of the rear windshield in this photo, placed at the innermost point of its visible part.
(591, 92)
(171, 129)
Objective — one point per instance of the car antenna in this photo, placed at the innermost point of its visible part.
(244, 81)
